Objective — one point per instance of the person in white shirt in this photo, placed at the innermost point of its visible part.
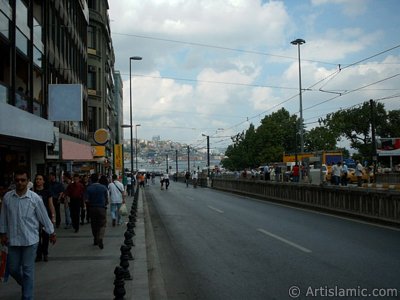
(22, 212)
(336, 170)
(195, 178)
(344, 172)
(359, 169)
(117, 196)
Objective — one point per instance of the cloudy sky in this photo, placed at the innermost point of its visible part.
(214, 66)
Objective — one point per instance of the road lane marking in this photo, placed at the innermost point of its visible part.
(284, 240)
(215, 209)
(323, 213)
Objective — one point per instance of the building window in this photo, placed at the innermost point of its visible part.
(5, 72)
(37, 93)
(91, 82)
(21, 42)
(91, 37)
(92, 118)
(4, 26)
(92, 4)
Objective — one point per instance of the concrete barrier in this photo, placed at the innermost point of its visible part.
(373, 204)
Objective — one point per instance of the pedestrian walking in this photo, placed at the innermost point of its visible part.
(129, 184)
(22, 212)
(117, 198)
(40, 188)
(359, 169)
(75, 191)
(57, 190)
(195, 178)
(97, 197)
(166, 181)
(187, 176)
(67, 180)
(336, 172)
(344, 172)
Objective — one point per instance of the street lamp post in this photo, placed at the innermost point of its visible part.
(299, 42)
(136, 145)
(208, 154)
(130, 104)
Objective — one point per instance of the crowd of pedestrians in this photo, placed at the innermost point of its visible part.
(30, 214)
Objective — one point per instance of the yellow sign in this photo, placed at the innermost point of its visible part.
(118, 158)
(101, 136)
(99, 151)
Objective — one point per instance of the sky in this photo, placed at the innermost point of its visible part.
(213, 67)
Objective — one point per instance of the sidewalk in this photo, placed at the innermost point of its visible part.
(77, 270)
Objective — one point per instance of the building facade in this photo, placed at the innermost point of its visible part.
(101, 84)
(44, 44)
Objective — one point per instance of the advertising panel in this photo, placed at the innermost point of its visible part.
(388, 146)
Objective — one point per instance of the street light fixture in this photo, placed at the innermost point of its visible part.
(136, 146)
(208, 154)
(130, 104)
(299, 42)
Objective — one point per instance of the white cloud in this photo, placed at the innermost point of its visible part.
(350, 8)
(182, 110)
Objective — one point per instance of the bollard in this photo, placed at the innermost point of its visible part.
(124, 263)
(132, 219)
(128, 239)
(127, 251)
(119, 284)
(130, 228)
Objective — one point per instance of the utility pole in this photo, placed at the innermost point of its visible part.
(373, 138)
(188, 158)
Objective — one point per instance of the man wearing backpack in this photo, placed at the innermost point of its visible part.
(117, 196)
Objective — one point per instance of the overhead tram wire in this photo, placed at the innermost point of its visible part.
(267, 54)
(372, 56)
(355, 105)
(219, 47)
(215, 82)
(352, 91)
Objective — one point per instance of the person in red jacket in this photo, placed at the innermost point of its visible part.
(296, 173)
(75, 191)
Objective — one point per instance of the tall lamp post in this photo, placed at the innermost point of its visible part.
(299, 42)
(130, 104)
(208, 154)
(136, 145)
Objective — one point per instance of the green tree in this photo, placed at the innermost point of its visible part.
(391, 126)
(320, 138)
(354, 124)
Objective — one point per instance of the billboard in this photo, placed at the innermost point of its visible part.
(388, 146)
(65, 102)
(118, 158)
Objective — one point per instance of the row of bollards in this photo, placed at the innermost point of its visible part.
(122, 271)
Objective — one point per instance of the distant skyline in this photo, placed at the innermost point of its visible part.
(214, 66)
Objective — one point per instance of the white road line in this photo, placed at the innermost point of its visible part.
(215, 209)
(285, 240)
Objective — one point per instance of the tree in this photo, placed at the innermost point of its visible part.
(391, 128)
(354, 124)
(277, 134)
(320, 138)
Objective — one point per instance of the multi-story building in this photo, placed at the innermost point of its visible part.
(101, 87)
(42, 44)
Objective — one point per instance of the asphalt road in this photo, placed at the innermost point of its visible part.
(215, 245)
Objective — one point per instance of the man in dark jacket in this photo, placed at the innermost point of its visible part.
(56, 189)
(97, 197)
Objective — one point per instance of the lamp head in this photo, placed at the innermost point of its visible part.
(135, 58)
(298, 42)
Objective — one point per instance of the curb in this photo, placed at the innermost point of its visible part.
(140, 283)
